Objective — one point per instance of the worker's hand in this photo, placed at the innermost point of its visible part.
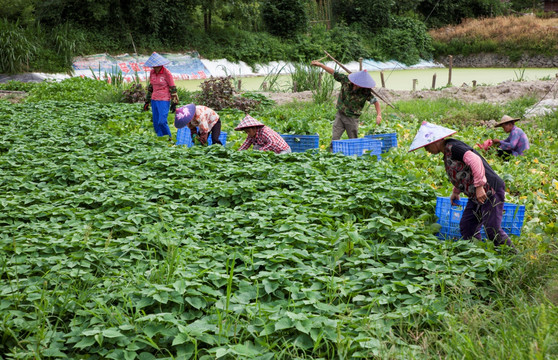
(174, 98)
(481, 195)
(316, 63)
(453, 198)
(378, 119)
(196, 138)
(495, 141)
(146, 106)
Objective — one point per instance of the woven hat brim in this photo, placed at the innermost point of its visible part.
(362, 79)
(248, 122)
(156, 60)
(506, 121)
(442, 138)
(429, 134)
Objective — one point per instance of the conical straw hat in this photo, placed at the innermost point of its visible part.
(247, 122)
(429, 133)
(506, 119)
(156, 60)
(362, 79)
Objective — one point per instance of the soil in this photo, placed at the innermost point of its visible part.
(12, 96)
(501, 93)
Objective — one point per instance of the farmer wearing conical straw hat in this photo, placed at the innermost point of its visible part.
(355, 91)
(160, 92)
(470, 174)
(202, 122)
(262, 137)
(516, 143)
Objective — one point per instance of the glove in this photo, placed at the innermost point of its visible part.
(196, 139)
(146, 106)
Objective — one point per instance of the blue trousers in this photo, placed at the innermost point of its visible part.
(160, 109)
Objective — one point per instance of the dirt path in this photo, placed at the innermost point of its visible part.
(500, 93)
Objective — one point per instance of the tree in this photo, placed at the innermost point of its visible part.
(285, 18)
(372, 14)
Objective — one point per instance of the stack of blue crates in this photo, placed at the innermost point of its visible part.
(358, 147)
(449, 217)
(184, 137)
(388, 140)
(301, 143)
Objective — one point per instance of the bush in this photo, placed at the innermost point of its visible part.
(219, 94)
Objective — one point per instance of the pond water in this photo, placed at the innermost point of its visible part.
(403, 79)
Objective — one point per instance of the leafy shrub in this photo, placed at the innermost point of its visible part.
(408, 41)
(219, 94)
(135, 93)
(238, 45)
(372, 14)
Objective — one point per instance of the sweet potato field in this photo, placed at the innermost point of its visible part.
(115, 245)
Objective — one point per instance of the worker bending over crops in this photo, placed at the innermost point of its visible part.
(201, 120)
(470, 174)
(161, 91)
(355, 91)
(262, 137)
(516, 143)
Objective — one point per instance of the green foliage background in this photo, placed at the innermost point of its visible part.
(45, 36)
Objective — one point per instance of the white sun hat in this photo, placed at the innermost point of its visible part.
(429, 133)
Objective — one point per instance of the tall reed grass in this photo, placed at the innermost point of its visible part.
(503, 34)
(16, 50)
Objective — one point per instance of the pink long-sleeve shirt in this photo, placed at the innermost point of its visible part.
(161, 82)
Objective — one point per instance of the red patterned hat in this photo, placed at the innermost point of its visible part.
(248, 122)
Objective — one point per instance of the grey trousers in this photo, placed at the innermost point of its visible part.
(344, 123)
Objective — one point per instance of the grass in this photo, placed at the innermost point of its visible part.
(503, 34)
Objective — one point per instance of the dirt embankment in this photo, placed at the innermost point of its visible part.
(501, 93)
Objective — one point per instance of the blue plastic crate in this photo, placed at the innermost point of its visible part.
(449, 217)
(301, 143)
(388, 140)
(184, 137)
(358, 147)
